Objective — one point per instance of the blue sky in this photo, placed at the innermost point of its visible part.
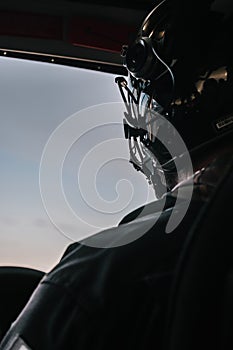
(35, 99)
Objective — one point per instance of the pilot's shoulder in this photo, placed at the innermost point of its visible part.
(149, 209)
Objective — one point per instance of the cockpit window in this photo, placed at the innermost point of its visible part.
(38, 100)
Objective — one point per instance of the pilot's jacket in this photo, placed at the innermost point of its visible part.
(112, 298)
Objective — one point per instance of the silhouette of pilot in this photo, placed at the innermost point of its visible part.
(180, 68)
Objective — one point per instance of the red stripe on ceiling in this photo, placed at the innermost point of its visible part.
(100, 35)
(31, 25)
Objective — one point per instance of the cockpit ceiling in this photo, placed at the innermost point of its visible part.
(88, 34)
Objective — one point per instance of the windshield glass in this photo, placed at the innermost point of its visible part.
(37, 100)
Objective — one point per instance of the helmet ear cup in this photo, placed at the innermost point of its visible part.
(140, 59)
